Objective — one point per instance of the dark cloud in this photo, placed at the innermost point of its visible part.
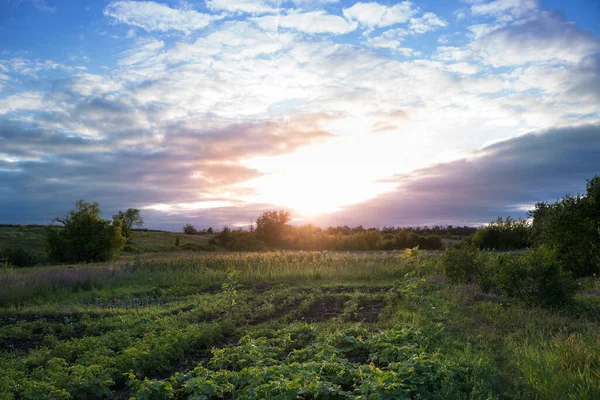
(502, 179)
(54, 168)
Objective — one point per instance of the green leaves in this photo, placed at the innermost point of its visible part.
(302, 363)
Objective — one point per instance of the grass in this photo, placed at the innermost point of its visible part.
(33, 239)
(285, 325)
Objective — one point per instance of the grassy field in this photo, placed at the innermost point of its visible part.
(32, 240)
(285, 325)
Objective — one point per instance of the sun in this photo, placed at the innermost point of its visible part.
(315, 188)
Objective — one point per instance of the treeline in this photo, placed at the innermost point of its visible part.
(448, 231)
(564, 245)
(273, 232)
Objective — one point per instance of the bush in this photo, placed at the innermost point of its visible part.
(245, 241)
(189, 229)
(19, 257)
(198, 247)
(571, 227)
(535, 278)
(505, 234)
(465, 263)
(84, 237)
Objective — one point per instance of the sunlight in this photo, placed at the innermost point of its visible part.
(318, 179)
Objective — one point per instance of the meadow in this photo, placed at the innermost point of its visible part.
(286, 325)
(32, 239)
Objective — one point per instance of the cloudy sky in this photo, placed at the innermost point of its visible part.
(343, 112)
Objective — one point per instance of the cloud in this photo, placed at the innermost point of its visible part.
(427, 22)
(193, 168)
(505, 178)
(152, 16)
(244, 6)
(311, 22)
(24, 101)
(546, 37)
(379, 15)
(393, 38)
(505, 9)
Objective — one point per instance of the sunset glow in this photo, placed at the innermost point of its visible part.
(374, 113)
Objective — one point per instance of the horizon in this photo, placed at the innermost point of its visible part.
(388, 113)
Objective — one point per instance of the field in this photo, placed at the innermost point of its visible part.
(285, 325)
(32, 240)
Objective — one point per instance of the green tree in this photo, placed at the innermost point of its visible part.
(504, 234)
(84, 236)
(130, 218)
(189, 229)
(271, 226)
(571, 228)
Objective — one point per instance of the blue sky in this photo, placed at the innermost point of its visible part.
(209, 112)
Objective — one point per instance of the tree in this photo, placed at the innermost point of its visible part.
(571, 228)
(210, 230)
(271, 226)
(504, 234)
(129, 219)
(189, 229)
(84, 236)
(224, 237)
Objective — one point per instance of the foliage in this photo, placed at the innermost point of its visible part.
(128, 219)
(189, 229)
(84, 236)
(271, 226)
(571, 227)
(508, 234)
(19, 257)
(465, 264)
(301, 362)
(535, 277)
(183, 326)
(244, 241)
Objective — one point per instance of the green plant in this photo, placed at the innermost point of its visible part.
(571, 227)
(19, 257)
(84, 236)
(230, 291)
(535, 277)
(466, 264)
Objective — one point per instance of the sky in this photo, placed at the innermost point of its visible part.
(380, 113)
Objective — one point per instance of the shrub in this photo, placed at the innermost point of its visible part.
(84, 237)
(571, 227)
(198, 247)
(245, 241)
(19, 257)
(466, 264)
(189, 229)
(535, 278)
(508, 234)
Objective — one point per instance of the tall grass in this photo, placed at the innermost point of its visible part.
(37, 284)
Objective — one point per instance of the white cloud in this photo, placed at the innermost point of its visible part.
(393, 38)
(311, 22)
(24, 101)
(547, 37)
(505, 9)
(390, 39)
(245, 6)
(427, 22)
(378, 15)
(152, 16)
(144, 49)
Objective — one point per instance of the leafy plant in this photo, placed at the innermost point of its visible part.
(535, 277)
